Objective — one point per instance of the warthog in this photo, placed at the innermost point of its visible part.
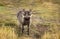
(24, 19)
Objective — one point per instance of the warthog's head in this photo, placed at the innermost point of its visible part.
(27, 14)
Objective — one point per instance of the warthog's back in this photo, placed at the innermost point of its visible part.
(20, 16)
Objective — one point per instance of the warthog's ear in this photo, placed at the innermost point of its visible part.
(30, 10)
(23, 10)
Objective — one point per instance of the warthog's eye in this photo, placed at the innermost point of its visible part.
(28, 13)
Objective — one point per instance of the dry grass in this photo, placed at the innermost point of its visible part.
(7, 33)
(50, 17)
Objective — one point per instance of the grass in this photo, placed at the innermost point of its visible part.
(49, 18)
(7, 33)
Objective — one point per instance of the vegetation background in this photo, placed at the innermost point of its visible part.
(45, 25)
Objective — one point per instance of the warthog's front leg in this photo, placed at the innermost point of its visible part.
(28, 29)
(22, 28)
